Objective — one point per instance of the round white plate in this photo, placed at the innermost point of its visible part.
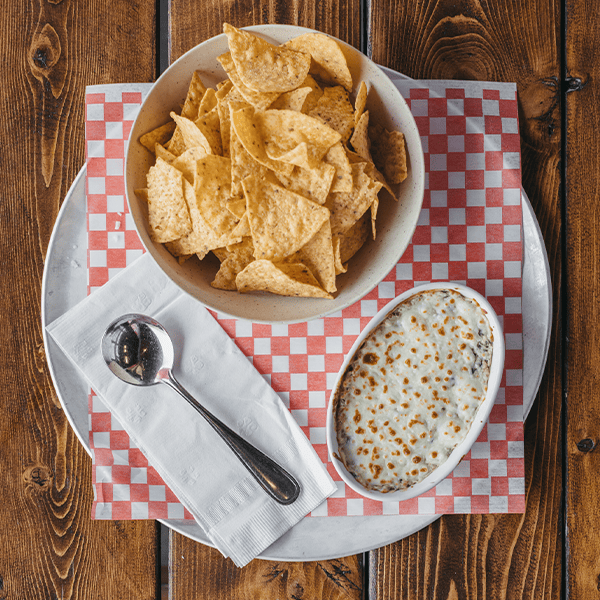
(314, 538)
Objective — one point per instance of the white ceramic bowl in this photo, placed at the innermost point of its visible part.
(481, 416)
(395, 221)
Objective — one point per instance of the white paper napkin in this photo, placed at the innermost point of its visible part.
(236, 514)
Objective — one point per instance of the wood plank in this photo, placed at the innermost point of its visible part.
(491, 556)
(202, 572)
(583, 288)
(50, 547)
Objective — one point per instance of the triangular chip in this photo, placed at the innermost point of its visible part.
(233, 260)
(194, 97)
(168, 213)
(313, 184)
(313, 97)
(223, 107)
(253, 140)
(242, 229)
(281, 221)
(360, 137)
(264, 67)
(329, 63)
(160, 135)
(209, 125)
(295, 138)
(259, 100)
(334, 109)
(352, 240)
(342, 180)
(161, 151)
(237, 207)
(360, 103)
(293, 100)
(389, 153)
(283, 279)
(209, 101)
(318, 256)
(186, 162)
(192, 136)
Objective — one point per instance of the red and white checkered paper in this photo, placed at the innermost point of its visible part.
(469, 231)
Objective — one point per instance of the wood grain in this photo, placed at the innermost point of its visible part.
(583, 289)
(202, 572)
(50, 547)
(492, 556)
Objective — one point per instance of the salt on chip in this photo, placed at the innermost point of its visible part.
(168, 213)
(260, 100)
(361, 102)
(318, 256)
(334, 109)
(283, 279)
(233, 260)
(161, 135)
(191, 135)
(360, 137)
(329, 63)
(264, 67)
(313, 184)
(253, 141)
(281, 221)
(342, 180)
(196, 92)
(295, 138)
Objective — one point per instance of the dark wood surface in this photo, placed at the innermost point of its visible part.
(51, 549)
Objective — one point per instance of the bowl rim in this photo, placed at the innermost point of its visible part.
(481, 417)
(417, 169)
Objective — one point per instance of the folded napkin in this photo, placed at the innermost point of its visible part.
(236, 514)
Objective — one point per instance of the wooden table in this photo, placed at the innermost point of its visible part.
(51, 549)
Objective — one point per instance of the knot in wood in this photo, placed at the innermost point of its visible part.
(38, 477)
(45, 50)
(586, 445)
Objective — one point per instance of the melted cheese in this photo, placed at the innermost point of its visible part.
(412, 390)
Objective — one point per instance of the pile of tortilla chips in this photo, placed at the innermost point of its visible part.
(276, 171)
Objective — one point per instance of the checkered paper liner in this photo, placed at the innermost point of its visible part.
(469, 231)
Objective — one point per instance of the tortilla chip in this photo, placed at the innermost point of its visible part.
(347, 207)
(294, 138)
(264, 67)
(360, 137)
(315, 94)
(260, 100)
(242, 165)
(191, 135)
(313, 184)
(160, 135)
(250, 135)
(209, 101)
(319, 257)
(223, 106)
(237, 207)
(283, 279)
(342, 180)
(234, 259)
(210, 125)
(202, 238)
(293, 100)
(242, 229)
(337, 260)
(352, 240)
(281, 221)
(334, 109)
(389, 154)
(212, 184)
(223, 89)
(186, 162)
(360, 102)
(161, 151)
(328, 60)
(194, 97)
(168, 214)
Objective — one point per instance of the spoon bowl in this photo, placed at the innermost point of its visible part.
(138, 350)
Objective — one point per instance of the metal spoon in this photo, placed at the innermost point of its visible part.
(138, 350)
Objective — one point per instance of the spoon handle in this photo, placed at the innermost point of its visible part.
(275, 480)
